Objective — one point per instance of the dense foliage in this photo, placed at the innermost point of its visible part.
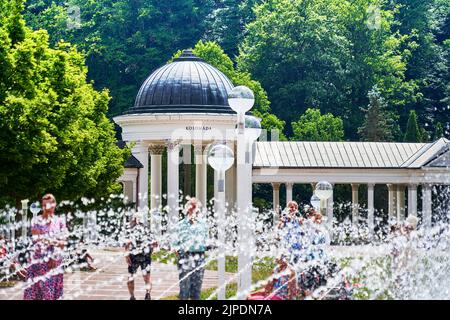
(125, 40)
(413, 133)
(325, 54)
(313, 126)
(54, 132)
(378, 124)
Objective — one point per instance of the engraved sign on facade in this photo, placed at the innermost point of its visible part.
(198, 128)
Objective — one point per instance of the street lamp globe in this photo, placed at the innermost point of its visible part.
(315, 202)
(324, 190)
(220, 157)
(35, 208)
(252, 128)
(241, 99)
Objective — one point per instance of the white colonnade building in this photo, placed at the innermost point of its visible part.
(182, 108)
(402, 167)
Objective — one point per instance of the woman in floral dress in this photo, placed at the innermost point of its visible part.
(44, 271)
(290, 232)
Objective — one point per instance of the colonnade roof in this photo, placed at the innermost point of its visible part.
(376, 155)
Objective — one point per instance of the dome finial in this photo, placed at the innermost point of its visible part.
(188, 55)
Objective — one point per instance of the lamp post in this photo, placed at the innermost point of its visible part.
(315, 202)
(241, 100)
(24, 217)
(252, 132)
(324, 191)
(221, 158)
(12, 229)
(93, 235)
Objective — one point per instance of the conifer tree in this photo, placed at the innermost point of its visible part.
(413, 132)
(378, 124)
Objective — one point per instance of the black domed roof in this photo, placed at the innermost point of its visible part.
(187, 85)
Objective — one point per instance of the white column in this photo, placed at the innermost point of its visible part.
(276, 197)
(216, 189)
(128, 191)
(220, 209)
(134, 186)
(140, 151)
(392, 190)
(201, 166)
(173, 188)
(412, 200)
(329, 210)
(230, 188)
(370, 207)
(427, 205)
(400, 203)
(156, 152)
(187, 166)
(244, 207)
(289, 187)
(355, 203)
(24, 218)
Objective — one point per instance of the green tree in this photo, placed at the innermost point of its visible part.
(124, 40)
(378, 124)
(226, 23)
(324, 54)
(54, 133)
(214, 54)
(438, 131)
(423, 23)
(313, 126)
(413, 131)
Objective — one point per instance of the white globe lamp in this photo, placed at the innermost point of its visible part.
(252, 128)
(220, 157)
(241, 100)
(324, 190)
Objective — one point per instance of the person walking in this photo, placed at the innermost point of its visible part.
(319, 238)
(190, 240)
(44, 274)
(139, 246)
(291, 232)
(318, 268)
(404, 245)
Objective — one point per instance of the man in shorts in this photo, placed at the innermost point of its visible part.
(138, 251)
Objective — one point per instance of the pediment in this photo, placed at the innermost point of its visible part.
(442, 160)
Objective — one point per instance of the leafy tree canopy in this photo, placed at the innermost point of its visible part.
(124, 40)
(438, 131)
(54, 133)
(379, 124)
(313, 126)
(326, 54)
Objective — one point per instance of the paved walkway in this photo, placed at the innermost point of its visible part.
(108, 282)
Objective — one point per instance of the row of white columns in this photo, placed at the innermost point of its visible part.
(289, 197)
(142, 150)
(201, 167)
(397, 207)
